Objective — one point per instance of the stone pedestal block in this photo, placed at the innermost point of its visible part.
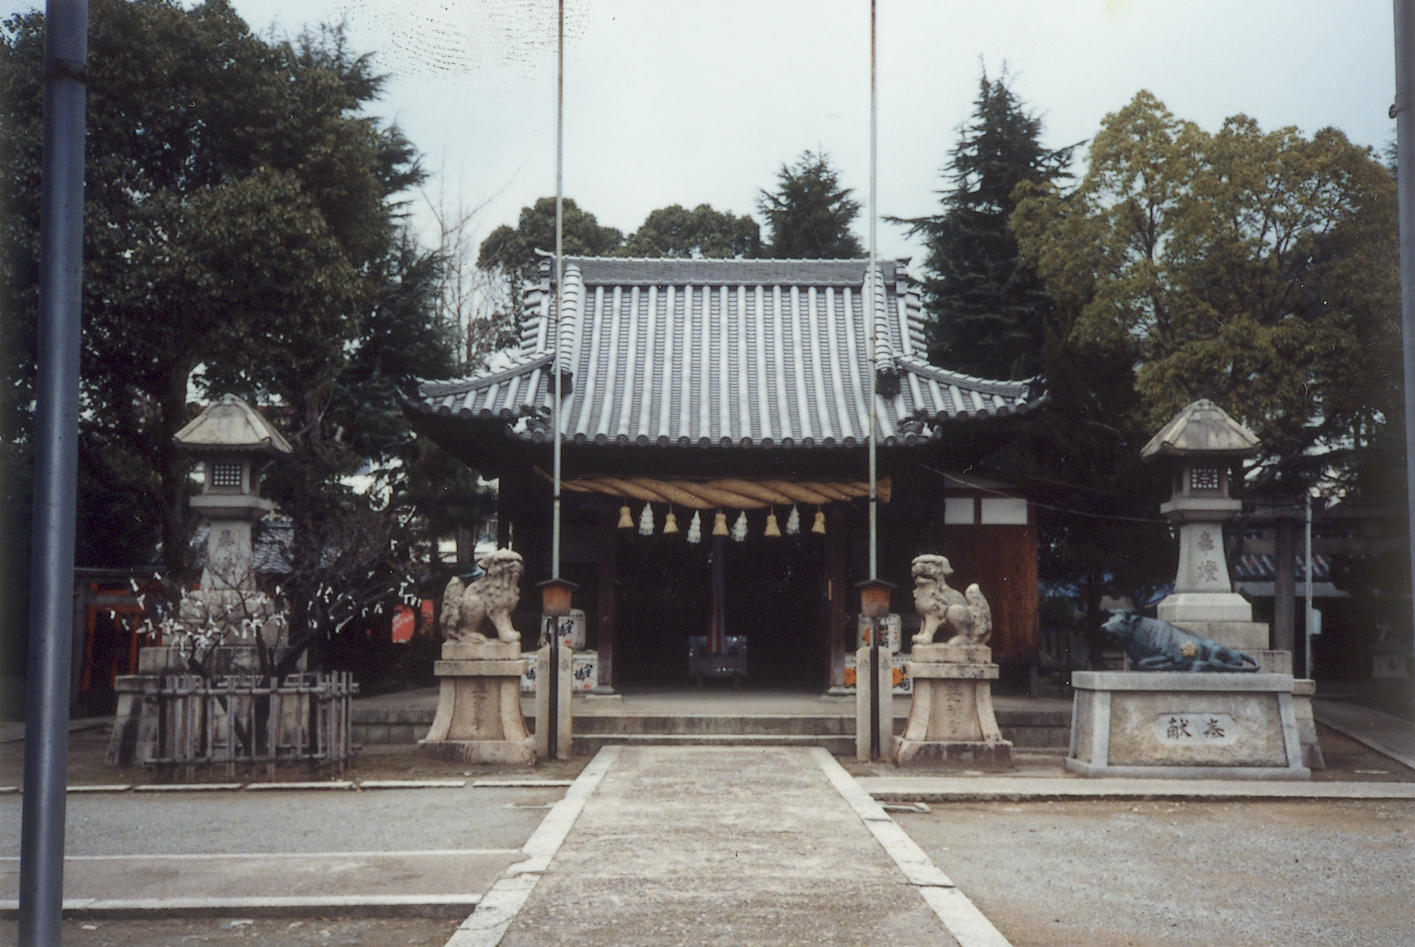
(1186, 608)
(1185, 725)
(564, 716)
(1249, 636)
(874, 700)
(1302, 692)
(951, 717)
(479, 708)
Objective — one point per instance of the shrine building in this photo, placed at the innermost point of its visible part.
(732, 397)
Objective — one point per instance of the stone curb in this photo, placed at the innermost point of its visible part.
(413, 905)
(504, 899)
(1050, 789)
(959, 915)
(268, 787)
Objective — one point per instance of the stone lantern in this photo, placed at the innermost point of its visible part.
(235, 443)
(1199, 445)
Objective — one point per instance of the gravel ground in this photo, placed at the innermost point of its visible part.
(1105, 874)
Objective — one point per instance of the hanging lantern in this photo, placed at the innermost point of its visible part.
(719, 524)
(646, 520)
(874, 598)
(771, 528)
(739, 528)
(670, 523)
(793, 522)
(555, 597)
(626, 519)
(695, 529)
(819, 526)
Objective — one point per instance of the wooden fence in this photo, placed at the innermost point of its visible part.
(241, 719)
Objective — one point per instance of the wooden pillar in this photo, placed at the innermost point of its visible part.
(608, 518)
(1283, 636)
(837, 527)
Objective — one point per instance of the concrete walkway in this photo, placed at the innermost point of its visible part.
(692, 845)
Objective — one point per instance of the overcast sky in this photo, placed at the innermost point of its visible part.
(701, 101)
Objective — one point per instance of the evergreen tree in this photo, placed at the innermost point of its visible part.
(809, 214)
(987, 309)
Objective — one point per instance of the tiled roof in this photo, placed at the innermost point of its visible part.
(1262, 567)
(725, 353)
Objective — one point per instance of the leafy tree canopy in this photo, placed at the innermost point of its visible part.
(242, 233)
(987, 310)
(513, 250)
(809, 214)
(1257, 269)
(675, 231)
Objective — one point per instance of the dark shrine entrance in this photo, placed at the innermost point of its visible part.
(774, 594)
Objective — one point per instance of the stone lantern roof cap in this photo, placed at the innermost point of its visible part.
(1201, 429)
(231, 426)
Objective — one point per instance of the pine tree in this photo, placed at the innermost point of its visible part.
(988, 311)
(809, 214)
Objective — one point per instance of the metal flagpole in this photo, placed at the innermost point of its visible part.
(559, 285)
(1404, 115)
(61, 218)
(553, 632)
(870, 290)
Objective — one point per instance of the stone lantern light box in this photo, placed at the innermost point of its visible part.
(1199, 445)
(235, 443)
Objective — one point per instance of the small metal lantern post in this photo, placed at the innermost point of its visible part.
(555, 595)
(874, 605)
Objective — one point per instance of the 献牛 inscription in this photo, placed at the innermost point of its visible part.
(1189, 728)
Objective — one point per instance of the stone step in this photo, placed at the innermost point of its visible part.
(716, 724)
(588, 744)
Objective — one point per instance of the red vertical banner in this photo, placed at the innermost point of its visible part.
(428, 624)
(404, 621)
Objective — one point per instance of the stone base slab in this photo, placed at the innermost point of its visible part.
(1185, 725)
(977, 753)
(520, 753)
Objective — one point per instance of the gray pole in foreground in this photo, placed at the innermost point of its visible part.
(558, 365)
(872, 287)
(1403, 111)
(55, 473)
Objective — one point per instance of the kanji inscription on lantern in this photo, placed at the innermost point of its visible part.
(1209, 570)
(1206, 541)
(1187, 729)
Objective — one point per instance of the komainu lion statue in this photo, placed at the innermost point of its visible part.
(490, 598)
(966, 614)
